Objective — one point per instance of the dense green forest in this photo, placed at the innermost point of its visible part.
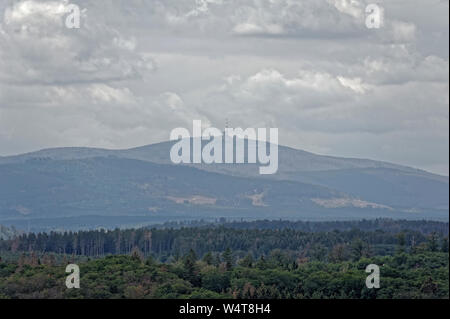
(232, 260)
(298, 239)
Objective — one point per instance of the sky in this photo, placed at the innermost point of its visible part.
(136, 69)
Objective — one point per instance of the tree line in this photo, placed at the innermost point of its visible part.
(166, 243)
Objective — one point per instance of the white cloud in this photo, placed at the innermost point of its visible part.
(403, 31)
(37, 48)
(355, 84)
(350, 7)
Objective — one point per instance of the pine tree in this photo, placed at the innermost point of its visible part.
(432, 242)
(208, 258)
(247, 261)
(189, 265)
(401, 242)
(444, 245)
(228, 259)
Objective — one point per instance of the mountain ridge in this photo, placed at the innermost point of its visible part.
(134, 152)
(51, 185)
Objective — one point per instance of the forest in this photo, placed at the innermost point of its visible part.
(240, 260)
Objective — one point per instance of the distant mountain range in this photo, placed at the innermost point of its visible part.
(73, 188)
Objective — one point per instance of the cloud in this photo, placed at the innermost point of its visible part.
(325, 112)
(36, 48)
(374, 96)
(351, 7)
(297, 18)
(137, 69)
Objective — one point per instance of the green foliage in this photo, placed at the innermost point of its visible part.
(228, 259)
(228, 263)
(423, 275)
(334, 241)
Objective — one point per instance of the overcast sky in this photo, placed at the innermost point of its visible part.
(136, 69)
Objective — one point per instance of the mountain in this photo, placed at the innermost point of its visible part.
(74, 188)
(291, 160)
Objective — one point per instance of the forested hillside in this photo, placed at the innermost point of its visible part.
(416, 274)
(260, 259)
(76, 189)
(258, 238)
